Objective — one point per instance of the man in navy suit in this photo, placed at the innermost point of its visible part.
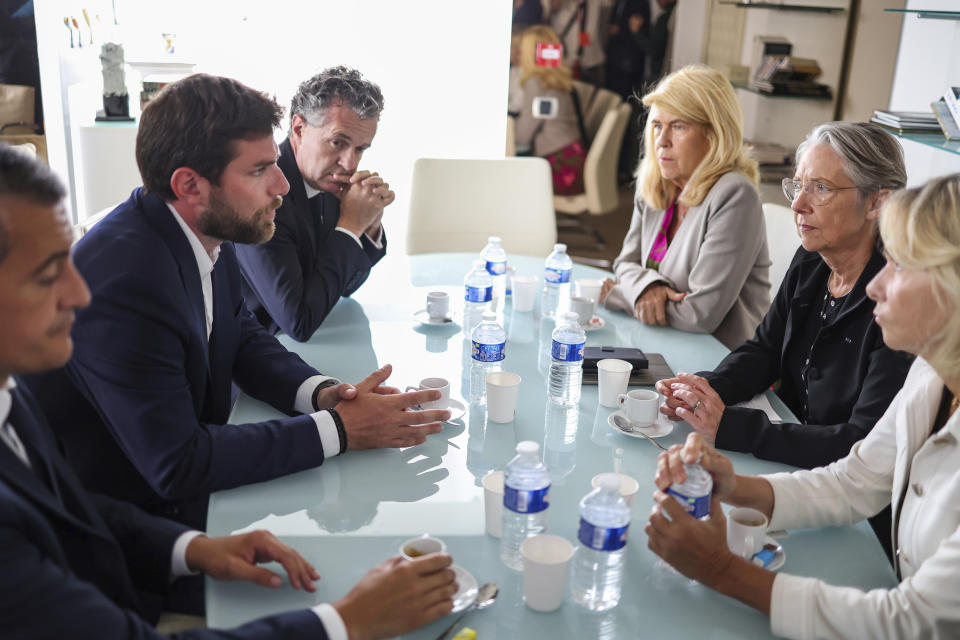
(77, 565)
(329, 231)
(142, 407)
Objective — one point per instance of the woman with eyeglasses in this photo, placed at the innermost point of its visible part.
(695, 257)
(910, 460)
(818, 344)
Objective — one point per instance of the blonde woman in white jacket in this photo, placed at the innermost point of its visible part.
(910, 460)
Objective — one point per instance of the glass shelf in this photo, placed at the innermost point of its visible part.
(779, 95)
(928, 14)
(783, 7)
(935, 140)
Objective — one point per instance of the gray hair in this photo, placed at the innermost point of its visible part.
(336, 85)
(872, 158)
(29, 178)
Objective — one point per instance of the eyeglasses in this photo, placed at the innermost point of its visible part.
(818, 192)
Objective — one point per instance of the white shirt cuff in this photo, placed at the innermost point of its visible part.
(352, 235)
(332, 622)
(329, 436)
(378, 241)
(178, 558)
(304, 401)
(791, 606)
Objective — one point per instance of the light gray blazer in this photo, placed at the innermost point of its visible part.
(718, 256)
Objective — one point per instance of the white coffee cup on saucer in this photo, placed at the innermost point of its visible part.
(439, 384)
(583, 307)
(421, 546)
(640, 406)
(438, 305)
(746, 531)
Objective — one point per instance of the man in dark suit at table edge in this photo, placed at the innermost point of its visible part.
(142, 407)
(329, 231)
(78, 565)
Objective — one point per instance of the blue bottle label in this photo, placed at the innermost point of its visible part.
(602, 538)
(479, 294)
(567, 352)
(698, 507)
(488, 352)
(556, 276)
(496, 268)
(523, 501)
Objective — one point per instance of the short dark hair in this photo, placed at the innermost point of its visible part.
(333, 85)
(25, 176)
(194, 123)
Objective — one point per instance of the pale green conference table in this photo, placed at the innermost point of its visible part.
(354, 511)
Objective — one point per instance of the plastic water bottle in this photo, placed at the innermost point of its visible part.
(495, 261)
(526, 496)
(487, 353)
(598, 562)
(694, 492)
(566, 365)
(478, 288)
(556, 280)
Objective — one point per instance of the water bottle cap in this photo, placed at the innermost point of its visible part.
(560, 247)
(609, 482)
(571, 317)
(528, 448)
(488, 316)
(494, 239)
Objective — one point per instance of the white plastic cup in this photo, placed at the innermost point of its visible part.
(613, 378)
(493, 502)
(583, 307)
(546, 565)
(746, 531)
(436, 384)
(628, 486)
(421, 546)
(438, 305)
(640, 406)
(503, 388)
(524, 292)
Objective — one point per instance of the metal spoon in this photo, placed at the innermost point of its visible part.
(485, 597)
(626, 425)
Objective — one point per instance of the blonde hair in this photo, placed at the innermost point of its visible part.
(553, 77)
(920, 228)
(701, 96)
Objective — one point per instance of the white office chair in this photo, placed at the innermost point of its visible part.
(782, 241)
(456, 204)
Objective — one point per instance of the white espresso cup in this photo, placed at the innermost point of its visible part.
(438, 305)
(583, 307)
(746, 531)
(438, 384)
(640, 406)
(421, 546)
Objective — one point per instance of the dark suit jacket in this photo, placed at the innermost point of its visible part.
(852, 379)
(142, 405)
(292, 281)
(76, 565)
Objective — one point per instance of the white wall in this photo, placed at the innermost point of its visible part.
(442, 65)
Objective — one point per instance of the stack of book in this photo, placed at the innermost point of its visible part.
(947, 112)
(907, 121)
(789, 75)
(776, 161)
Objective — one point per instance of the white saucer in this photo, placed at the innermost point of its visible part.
(467, 592)
(779, 557)
(424, 318)
(456, 408)
(596, 322)
(662, 427)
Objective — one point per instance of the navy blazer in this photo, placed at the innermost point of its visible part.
(142, 406)
(76, 565)
(852, 379)
(293, 281)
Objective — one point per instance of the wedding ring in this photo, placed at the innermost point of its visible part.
(697, 406)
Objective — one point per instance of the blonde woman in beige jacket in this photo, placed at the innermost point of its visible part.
(695, 257)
